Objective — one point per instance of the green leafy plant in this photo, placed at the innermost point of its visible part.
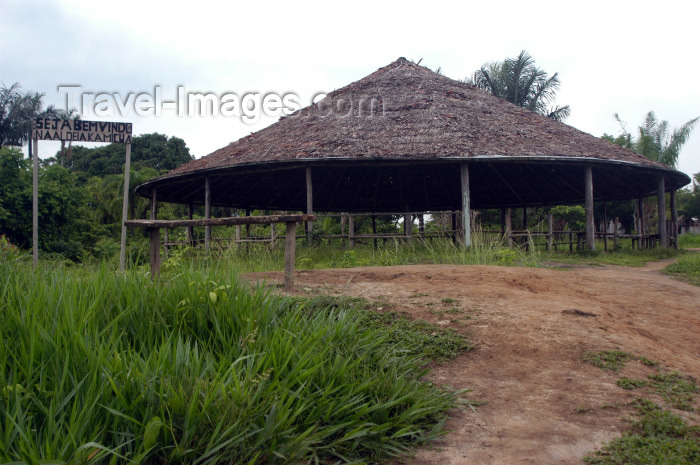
(611, 360)
(630, 383)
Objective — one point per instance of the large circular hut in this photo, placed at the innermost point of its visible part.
(405, 138)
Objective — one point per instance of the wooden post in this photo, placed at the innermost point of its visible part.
(125, 207)
(272, 235)
(661, 197)
(640, 207)
(615, 234)
(343, 219)
(590, 226)
(155, 252)
(188, 231)
(154, 204)
(674, 219)
(605, 225)
(466, 209)
(166, 239)
(289, 253)
(309, 206)
(374, 229)
(408, 226)
(35, 200)
(421, 225)
(550, 231)
(509, 227)
(207, 214)
(524, 218)
(238, 235)
(351, 230)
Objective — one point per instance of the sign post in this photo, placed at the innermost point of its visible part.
(79, 131)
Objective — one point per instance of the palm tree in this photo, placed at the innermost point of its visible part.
(17, 111)
(655, 143)
(519, 81)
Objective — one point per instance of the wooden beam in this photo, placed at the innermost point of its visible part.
(309, 206)
(189, 232)
(640, 208)
(509, 227)
(661, 197)
(550, 231)
(207, 213)
(590, 226)
(155, 252)
(125, 207)
(230, 221)
(466, 210)
(674, 219)
(351, 230)
(154, 204)
(289, 253)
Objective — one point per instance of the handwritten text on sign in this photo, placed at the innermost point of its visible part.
(81, 131)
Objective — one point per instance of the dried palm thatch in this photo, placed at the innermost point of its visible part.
(394, 141)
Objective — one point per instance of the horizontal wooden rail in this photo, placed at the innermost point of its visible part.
(228, 221)
(289, 249)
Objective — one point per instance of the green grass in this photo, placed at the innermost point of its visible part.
(99, 367)
(677, 390)
(687, 269)
(630, 383)
(658, 437)
(622, 257)
(611, 360)
(415, 337)
(690, 240)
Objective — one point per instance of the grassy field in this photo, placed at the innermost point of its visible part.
(97, 366)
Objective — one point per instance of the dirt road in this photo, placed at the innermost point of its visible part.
(531, 327)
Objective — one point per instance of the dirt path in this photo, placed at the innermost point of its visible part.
(529, 325)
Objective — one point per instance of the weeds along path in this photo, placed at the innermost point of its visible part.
(531, 328)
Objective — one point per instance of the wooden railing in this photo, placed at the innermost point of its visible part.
(154, 226)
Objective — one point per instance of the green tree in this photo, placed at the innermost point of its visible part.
(654, 140)
(155, 151)
(519, 81)
(17, 111)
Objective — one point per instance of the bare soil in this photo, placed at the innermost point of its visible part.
(531, 328)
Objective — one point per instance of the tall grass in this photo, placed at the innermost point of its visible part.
(486, 250)
(99, 367)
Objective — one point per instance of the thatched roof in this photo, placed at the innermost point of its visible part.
(391, 141)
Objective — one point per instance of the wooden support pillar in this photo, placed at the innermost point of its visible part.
(166, 239)
(188, 231)
(524, 218)
(421, 225)
(238, 235)
(590, 225)
(309, 206)
(674, 219)
(408, 226)
(466, 208)
(661, 196)
(374, 229)
(154, 205)
(509, 227)
(605, 225)
(289, 253)
(550, 231)
(640, 208)
(207, 213)
(343, 219)
(616, 239)
(351, 230)
(155, 251)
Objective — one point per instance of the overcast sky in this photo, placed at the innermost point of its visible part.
(627, 57)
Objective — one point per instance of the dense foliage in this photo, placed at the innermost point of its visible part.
(80, 203)
(199, 368)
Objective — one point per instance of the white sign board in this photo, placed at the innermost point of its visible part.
(82, 131)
